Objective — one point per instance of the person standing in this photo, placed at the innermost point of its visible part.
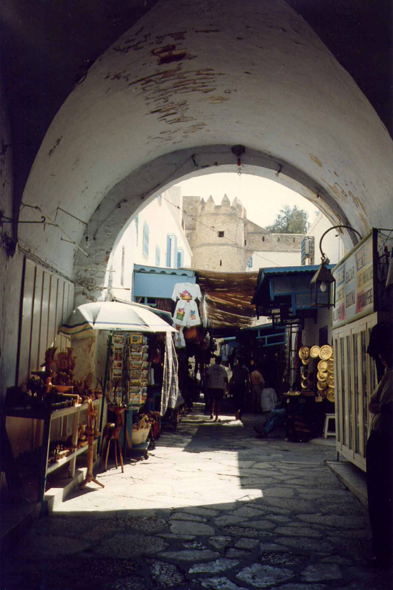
(240, 386)
(379, 454)
(257, 385)
(217, 381)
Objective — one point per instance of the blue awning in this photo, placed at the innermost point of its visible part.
(284, 286)
(158, 283)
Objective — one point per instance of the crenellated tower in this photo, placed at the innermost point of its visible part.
(217, 234)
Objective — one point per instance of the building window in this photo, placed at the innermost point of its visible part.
(145, 247)
(278, 239)
(171, 250)
(249, 263)
(220, 262)
(159, 198)
(158, 256)
(245, 242)
(220, 234)
(180, 258)
(263, 238)
(123, 255)
(136, 228)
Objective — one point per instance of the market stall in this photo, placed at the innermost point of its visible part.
(364, 297)
(137, 346)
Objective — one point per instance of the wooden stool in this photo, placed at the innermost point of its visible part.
(326, 432)
(112, 433)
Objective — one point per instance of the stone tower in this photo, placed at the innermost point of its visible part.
(219, 242)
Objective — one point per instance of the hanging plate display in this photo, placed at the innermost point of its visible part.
(304, 352)
(325, 352)
(322, 375)
(322, 366)
(321, 385)
(314, 352)
(330, 366)
(330, 381)
(330, 394)
(305, 384)
(305, 361)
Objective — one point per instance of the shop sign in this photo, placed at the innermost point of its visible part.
(355, 284)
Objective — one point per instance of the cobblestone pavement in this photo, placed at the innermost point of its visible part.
(212, 507)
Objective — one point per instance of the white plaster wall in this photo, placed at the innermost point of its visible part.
(266, 259)
(332, 244)
(163, 218)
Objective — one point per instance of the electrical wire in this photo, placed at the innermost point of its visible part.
(54, 224)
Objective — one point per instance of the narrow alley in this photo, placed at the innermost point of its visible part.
(211, 507)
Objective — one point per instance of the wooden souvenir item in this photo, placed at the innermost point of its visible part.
(112, 433)
(92, 422)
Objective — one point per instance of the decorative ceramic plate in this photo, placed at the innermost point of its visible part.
(330, 366)
(305, 374)
(305, 384)
(330, 395)
(314, 352)
(322, 366)
(322, 375)
(305, 361)
(321, 385)
(330, 381)
(325, 352)
(304, 352)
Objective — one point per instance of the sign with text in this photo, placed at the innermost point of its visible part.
(354, 276)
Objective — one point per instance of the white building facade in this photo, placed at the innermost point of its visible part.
(154, 237)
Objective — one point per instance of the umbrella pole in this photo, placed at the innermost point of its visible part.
(105, 380)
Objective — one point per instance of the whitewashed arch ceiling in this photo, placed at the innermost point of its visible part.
(171, 97)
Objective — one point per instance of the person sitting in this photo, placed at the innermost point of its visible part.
(276, 418)
(268, 402)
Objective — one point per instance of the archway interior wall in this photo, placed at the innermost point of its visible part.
(186, 81)
(110, 220)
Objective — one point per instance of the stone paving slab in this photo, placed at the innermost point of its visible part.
(212, 507)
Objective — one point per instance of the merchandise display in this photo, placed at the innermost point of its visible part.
(128, 371)
(186, 313)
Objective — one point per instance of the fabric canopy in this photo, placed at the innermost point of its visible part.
(112, 315)
(228, 297)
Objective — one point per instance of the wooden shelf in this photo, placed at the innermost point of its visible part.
(67, 459)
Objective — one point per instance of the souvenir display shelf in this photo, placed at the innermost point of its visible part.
(48, 417)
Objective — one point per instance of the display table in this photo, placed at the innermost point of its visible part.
(300, 415)
(48, 418)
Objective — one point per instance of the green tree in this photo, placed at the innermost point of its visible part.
(290, 220)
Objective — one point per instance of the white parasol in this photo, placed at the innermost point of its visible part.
(112, 315)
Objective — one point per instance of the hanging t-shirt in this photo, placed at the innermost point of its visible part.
(186, 292)
(186, 314)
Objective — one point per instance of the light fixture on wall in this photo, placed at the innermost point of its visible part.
(321, 292)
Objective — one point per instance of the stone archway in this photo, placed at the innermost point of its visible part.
(111, 218)
(185, 81)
